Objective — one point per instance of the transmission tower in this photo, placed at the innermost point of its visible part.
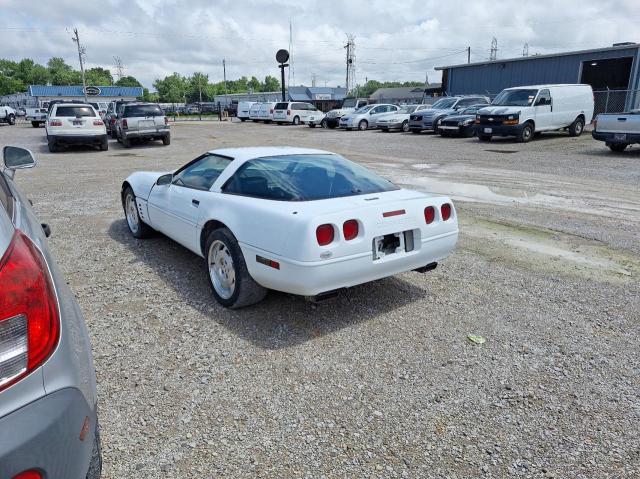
(525, 50)
(351, 62)
(494, 49)
(119, 67)
(313, 79)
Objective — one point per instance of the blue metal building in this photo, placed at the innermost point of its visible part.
(37, 95)
(612, 72)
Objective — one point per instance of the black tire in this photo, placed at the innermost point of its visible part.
(166, 139)
(126, 142)
(577, 127)
(384, 130)
(526, 134)
(296, 120)
(104, 145)
(243, 120)
(483, 137)
(323, 123)
(405, 126)
(53, 148)
(331, 125)
(617, 147)
(136, 226)
(11, 119)
(35, 124)
(95, 465)
(312, 125)
(363, 125)
(279, 123)
(245, 290)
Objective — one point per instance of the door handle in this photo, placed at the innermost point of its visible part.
(195, 203)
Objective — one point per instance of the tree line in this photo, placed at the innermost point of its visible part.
(15, 77)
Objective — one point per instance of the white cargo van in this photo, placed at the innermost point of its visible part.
(253, 112)
(265, 113)
(526, 110)
(243, 110)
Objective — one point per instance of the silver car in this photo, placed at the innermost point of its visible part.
(48, 420)
(142, 121)
(366, 117)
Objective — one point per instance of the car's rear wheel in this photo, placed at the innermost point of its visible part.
(53, 147)
(104, 144)
(126, 142)
(232, 285)
(577, 127)
(138, 228)
(405, 126)
(166, 139)
(35, 124)
(363, 125)
(617, 147)
(296, 120)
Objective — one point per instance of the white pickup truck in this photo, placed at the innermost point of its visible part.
(7, 115)
(617, 130)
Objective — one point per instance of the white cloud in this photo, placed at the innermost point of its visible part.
(394, 40)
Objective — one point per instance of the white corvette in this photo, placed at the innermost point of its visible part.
(297, 220)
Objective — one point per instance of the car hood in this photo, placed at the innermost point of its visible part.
(500, 110)
(460, 117)
(430, 112)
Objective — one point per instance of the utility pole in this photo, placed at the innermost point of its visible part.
(313, 79)
(494, 50)
(292, 72)
(468, 54)
(351, 62)
(119, 67)
(81, 51)
(525, 50)
(224, 75)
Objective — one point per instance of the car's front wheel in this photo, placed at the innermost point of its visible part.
(405, 126)
(138, 228)
(11, 119)
(296, 120)
(323, 123)
(232, 285)
(363, 125)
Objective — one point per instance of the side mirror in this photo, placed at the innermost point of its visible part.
(165, 179)
(16, 158)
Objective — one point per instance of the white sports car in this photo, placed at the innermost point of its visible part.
(302, 221)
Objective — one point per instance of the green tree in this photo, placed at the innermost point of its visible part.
(197, 83)
(128, 81)
(98, 76)
(9, 85)
(62, 74)
(270, 84)
(254, 84)
(171, 89)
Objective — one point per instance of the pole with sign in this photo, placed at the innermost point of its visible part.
(281, 57)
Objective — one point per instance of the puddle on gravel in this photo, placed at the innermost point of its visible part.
(545, 250)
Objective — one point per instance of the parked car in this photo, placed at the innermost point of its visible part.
(101, 107)
(243, 110)
(112, 115)
(48, 414)
(461, 123)
(75, 124)
(254, 112)
(349, 105)
(21, 111)
(294, 112)
(315, 119)
(7, 115)
(142, 121)
(266, 110)
(426, 120)
(400, 119)
(367, 116)
(290, 219)
(37, 116)
(527, 110)
(617, 130)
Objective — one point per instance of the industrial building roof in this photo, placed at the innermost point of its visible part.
(76, 90)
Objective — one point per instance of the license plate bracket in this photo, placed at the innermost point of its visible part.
(488, 130)
(389, 244)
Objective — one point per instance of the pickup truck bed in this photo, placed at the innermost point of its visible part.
(618, 130)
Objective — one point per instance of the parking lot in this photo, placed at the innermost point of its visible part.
(381, 381)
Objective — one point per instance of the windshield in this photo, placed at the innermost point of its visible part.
(142, 110)
(349, 103)
(304, 178)
(515, 98)
(444, 104)
(75, 111)
(364, 109)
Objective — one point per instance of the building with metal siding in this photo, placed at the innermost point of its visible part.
(613, 71)
(36, 95)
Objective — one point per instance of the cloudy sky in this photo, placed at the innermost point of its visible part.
(395, 40)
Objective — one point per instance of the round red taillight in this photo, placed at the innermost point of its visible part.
(324, 234)
(350, 229)
(429, 214)
(445, 211)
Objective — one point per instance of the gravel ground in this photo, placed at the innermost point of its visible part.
(381, 382)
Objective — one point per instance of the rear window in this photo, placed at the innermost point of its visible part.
(304, 178)
(282, 106)
(75, 111)
(142, 110)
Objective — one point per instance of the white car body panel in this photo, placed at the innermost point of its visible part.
(243, 109)
(284, 231)
(254, 111)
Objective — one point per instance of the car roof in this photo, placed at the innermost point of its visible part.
(252, 152)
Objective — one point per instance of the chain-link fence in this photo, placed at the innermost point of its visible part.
(615, 101)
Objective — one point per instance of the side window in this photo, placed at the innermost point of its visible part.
(392, 108)
(201, 173)
(544, 98)
(378, 109)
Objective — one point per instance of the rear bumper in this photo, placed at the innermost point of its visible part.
(500, 130)
(45, 435)
(610, 138)
(390, 126)
(78, 139)
(317, 277)
(151, 135)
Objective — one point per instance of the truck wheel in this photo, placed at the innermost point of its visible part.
(617, 147)
(363, 125)
(166, 139)
(232, 285)
(484, 137)
(577, 127)
(526, 134)
(11, 119)
(35, 124)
